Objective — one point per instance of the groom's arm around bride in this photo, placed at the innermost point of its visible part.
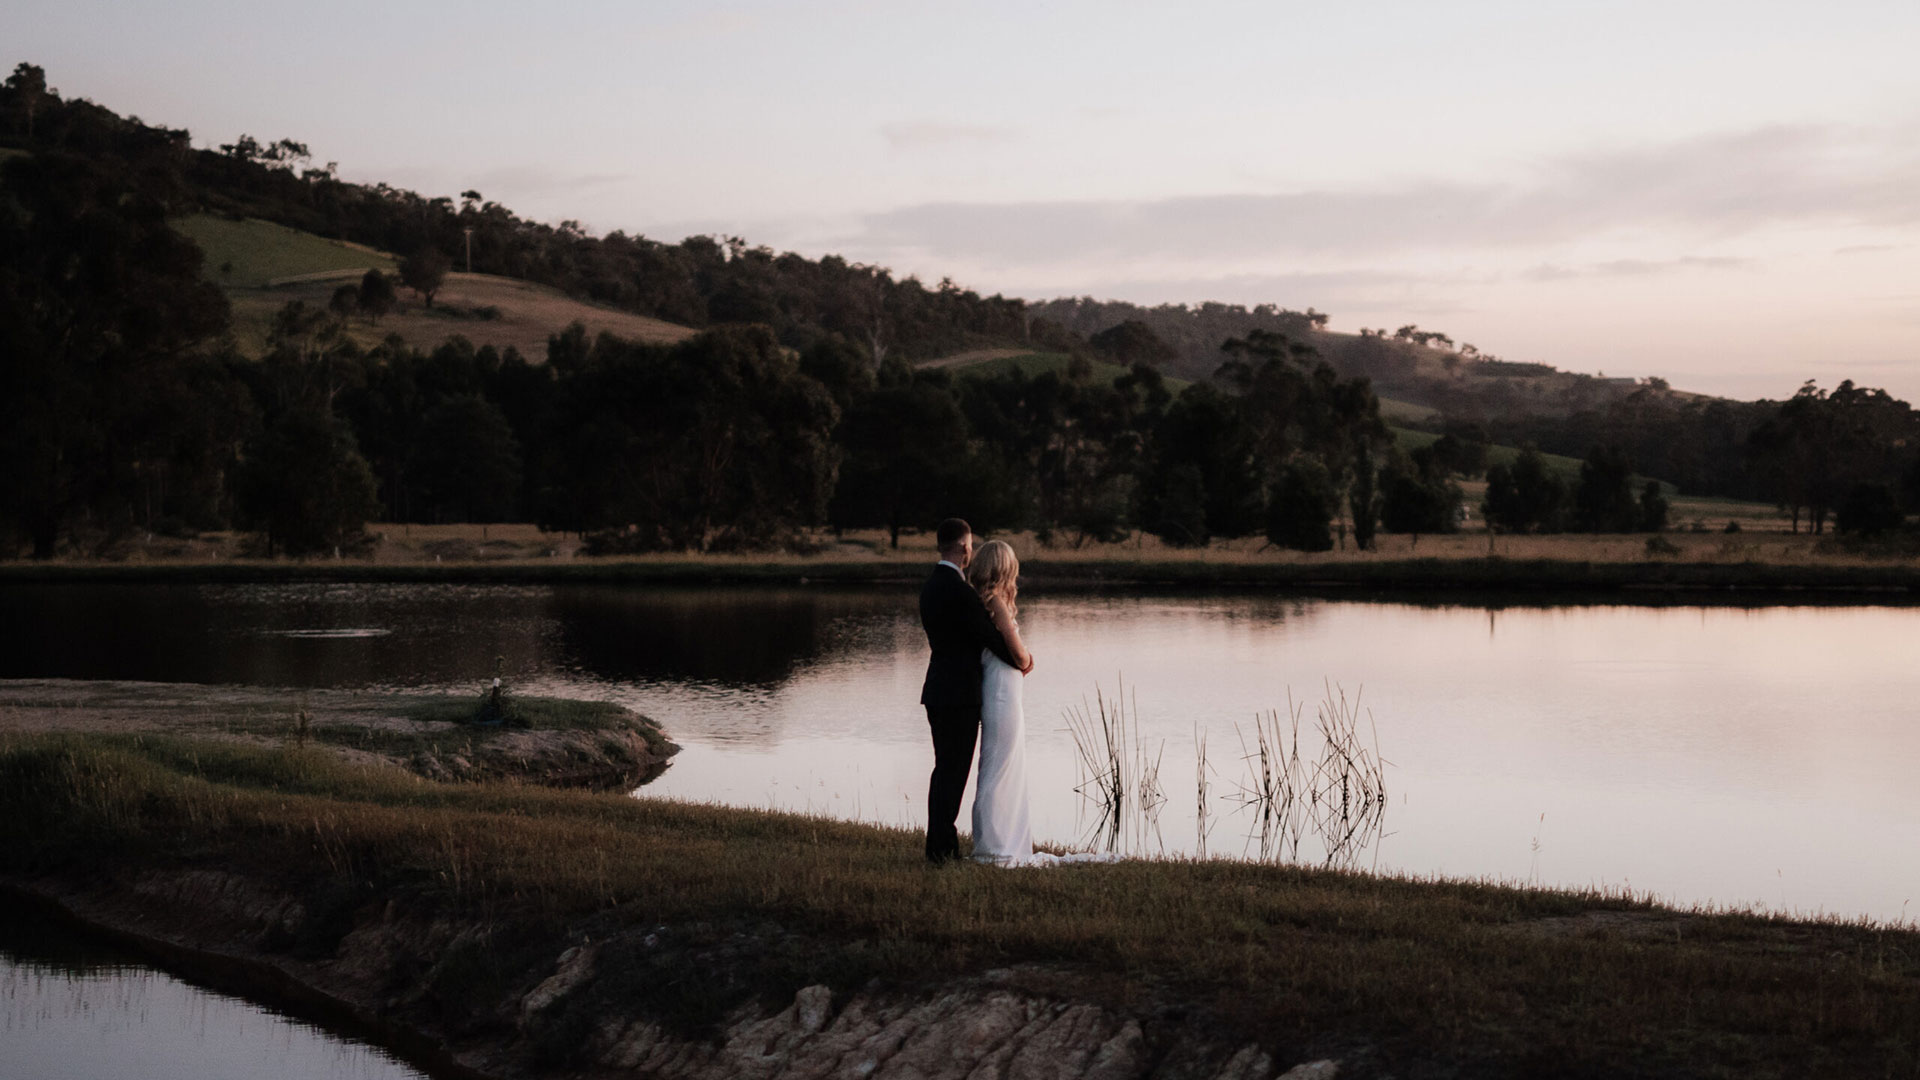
(958, 628)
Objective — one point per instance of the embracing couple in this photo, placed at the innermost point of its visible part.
(972, 694)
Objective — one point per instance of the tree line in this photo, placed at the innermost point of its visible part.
(702, 281)
(123, 405)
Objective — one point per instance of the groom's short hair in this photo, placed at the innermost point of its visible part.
(951, 532)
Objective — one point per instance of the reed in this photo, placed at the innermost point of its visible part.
(1335, 791)
(1118, 776)
(1202, 773)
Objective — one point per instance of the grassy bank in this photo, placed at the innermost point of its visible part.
(1389, 975)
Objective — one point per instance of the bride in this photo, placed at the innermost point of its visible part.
(1001, 831)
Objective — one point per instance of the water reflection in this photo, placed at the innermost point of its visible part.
(72, 1009)
(1322, 781)
(671, 634)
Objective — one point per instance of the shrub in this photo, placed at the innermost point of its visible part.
(1300, 507)
(1868, 510)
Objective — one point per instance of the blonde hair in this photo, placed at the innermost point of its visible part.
(995, 572)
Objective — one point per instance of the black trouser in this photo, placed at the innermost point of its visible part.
(955, 731)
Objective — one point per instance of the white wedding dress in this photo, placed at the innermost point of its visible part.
(1002, 833)
(1002, 829)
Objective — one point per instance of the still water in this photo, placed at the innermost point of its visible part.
(1704, 753)
(72, 1010)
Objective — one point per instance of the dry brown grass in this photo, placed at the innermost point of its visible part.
(528, 315)
(1697, 535)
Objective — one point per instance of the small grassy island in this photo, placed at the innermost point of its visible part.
(506, 929)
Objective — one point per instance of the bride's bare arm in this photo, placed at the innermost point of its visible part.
(1010, 630)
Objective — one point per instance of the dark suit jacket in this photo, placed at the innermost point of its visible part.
(958, 627)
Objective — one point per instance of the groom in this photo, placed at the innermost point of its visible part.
(957, 627)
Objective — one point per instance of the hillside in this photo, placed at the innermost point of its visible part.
(249, 253)
(537, 278)
(1409, 369)
(994, 361)
(264, 266)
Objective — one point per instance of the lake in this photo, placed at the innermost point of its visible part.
(73, 1009)
(1703, 752)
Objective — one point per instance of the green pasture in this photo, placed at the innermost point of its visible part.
(250, 253)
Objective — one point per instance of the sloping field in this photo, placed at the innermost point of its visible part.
(251, 253)
(482, 308)
(264, 266)
(1568, 468)
(1405, 412)
(972, 357)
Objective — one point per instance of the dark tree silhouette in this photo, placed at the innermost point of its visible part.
(305, 485)
(344, 302)
(905, 455)
(28, 84)
(1526, 497)
(1131, 342)
(1363, 500)
(1415, 495)
(1869, 509)
(376, 295)
(1817, 445)
(1653, 508)
(424, 272)
(714, 442)
(466, 462)
(1301, 505)
(98, 298)
(1603, 499)
(1462, 449)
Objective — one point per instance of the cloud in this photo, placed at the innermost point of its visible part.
(1634, 267)
(1712, 186)
(925, 134)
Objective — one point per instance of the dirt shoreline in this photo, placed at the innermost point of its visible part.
(216, 928)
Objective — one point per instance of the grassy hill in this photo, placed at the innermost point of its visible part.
(264, 266)
(1568, 468)
(252, 254)
(1397, 411)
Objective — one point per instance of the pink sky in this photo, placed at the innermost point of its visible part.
(1726, 194)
